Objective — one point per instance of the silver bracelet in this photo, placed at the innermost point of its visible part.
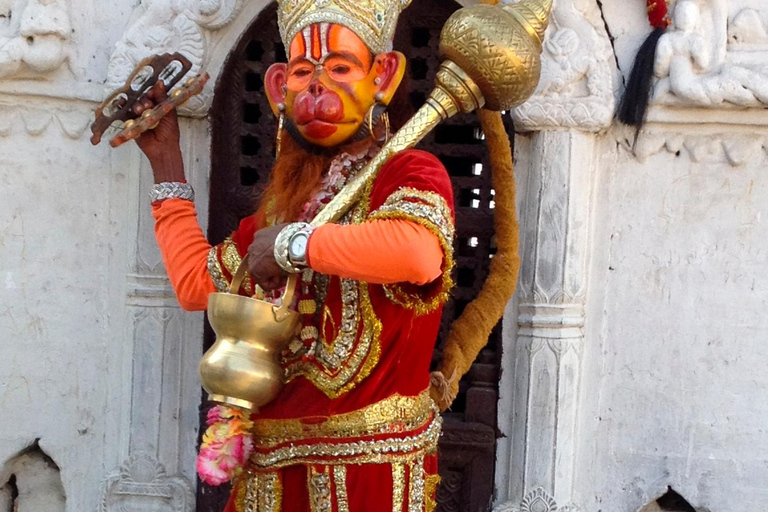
(171, 190)
(283, 243)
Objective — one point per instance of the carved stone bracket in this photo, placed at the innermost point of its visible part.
(143, 484)
(538, 500)
(34, 37)
(578, 73)
(715, 55)
(169, 26)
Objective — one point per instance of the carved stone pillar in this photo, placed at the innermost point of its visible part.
(545, 360)
(543, 354)
(157, 434)
(163, 345)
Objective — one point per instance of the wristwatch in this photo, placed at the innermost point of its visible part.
(291, 247)
(297, 248)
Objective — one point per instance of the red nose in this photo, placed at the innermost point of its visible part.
(318, 103)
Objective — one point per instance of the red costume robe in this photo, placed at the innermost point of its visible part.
(354, 428)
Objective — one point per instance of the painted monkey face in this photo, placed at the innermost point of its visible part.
(330, 83)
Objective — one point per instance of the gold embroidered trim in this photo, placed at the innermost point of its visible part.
(416, 485)
(231, 259)
(379, 451)
(398, 487)
(430, 490)
(240, 494)
(340, 483)
(216, 272)
(431, 211)
(259, 492)
(319, 487)
(395, 414)
(250, 502)
(352, 356)
(271, 492)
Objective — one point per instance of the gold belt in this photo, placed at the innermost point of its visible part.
(394, 429)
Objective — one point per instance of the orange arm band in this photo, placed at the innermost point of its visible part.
(377, 252)
(185, 252)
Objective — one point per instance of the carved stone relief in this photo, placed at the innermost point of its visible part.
(173, 25)
(737, 147)
(578, 70)
(34, 36)
(72, 122)
(538, 500)
(142, 484)
(715, 55)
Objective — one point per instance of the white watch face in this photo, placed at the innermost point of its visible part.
(298, 247)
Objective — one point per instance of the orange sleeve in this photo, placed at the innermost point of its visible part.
(185, 252)
(377, 252)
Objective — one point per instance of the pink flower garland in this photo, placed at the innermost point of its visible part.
(226, 446)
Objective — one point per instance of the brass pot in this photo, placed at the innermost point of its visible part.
(242, 368)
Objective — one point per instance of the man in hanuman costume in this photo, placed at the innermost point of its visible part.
(372, 286)
(354, 428)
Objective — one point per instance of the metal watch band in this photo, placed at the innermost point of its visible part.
(283, 243)
(172, 190)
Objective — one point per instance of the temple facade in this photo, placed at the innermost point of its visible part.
(631, 358)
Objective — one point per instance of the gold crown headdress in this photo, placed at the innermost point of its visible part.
(374, 21)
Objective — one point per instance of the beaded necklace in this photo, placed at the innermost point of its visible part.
(342, 168)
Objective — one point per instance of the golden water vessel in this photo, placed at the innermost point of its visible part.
(242, 368)
(492, 59)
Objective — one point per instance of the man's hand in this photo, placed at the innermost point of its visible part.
(261, 259)
(161, 145)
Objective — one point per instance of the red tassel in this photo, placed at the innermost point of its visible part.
(658, 13)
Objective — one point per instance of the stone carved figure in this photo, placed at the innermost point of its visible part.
(567, 67)
(39, 40)
(170, 26)
(694, 66)
(577, 76)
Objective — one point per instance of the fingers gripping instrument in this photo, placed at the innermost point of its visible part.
(118, 107)
(493, 60)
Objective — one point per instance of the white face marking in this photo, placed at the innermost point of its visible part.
(310, 42)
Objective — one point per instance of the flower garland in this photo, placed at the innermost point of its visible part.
(226, 446)
(227, 443)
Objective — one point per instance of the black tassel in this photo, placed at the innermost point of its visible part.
(634, 104)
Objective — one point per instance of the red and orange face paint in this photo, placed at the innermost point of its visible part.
(330, 83)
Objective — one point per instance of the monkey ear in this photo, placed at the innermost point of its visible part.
(275, 82)
(390, 68)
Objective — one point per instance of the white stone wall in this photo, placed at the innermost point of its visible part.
(634, 356)
(650, 375)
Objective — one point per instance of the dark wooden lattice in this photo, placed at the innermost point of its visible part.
(243, 138)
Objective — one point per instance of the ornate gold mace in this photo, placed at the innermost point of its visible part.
(492, 60)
